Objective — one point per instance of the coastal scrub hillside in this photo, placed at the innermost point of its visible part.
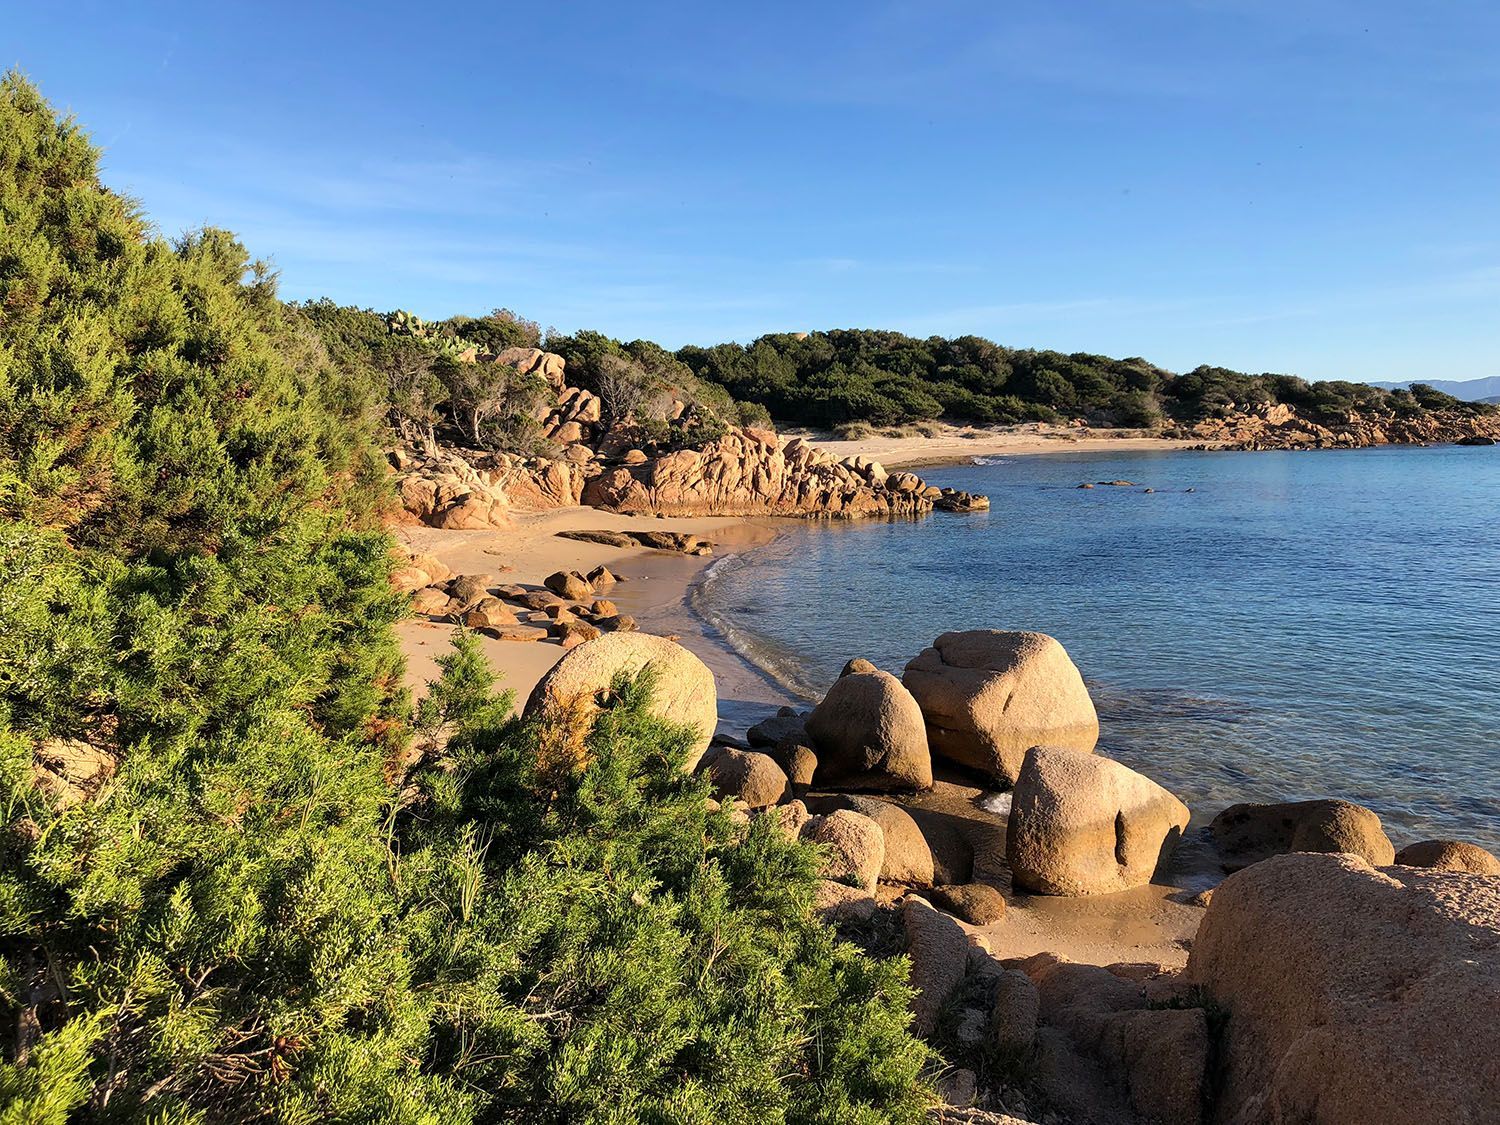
(843, 379)
(240, 876)
(886, 378)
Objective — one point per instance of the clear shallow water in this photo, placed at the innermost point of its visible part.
(1299, 625)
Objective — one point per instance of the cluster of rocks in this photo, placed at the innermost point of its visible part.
(1119, 1043)
(1131, 1043)
(677, 542)
(470, 490)
(753, 472)
(743, 472)
(566, 608)
(1279, 426)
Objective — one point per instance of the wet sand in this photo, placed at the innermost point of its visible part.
(956, 444)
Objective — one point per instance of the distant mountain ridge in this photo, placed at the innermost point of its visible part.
(1470, 390)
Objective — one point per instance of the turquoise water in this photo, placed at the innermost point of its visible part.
(1297, 625)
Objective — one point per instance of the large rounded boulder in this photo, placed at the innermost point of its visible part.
(922, 848)
(1248, 833)
(1085, 825)
(1354, 995)
(988, 696)
(868, 733)
(683, 692)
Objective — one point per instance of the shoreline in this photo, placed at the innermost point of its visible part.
(659, 587)
(957, 444)
(1153, 923)
(655, 589)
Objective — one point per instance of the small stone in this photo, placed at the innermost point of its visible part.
(748, 776)
(574, 633)
(979, 904)
(620, 623)
(489, 613)
(569, 584)
(601, 578)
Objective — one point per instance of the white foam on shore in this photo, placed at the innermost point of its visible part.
(778, 663)
(997, 803)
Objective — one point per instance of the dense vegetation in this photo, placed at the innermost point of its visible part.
(239, 877)
(886, 378)
(835, 379)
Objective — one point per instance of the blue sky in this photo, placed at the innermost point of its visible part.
(1307, 187)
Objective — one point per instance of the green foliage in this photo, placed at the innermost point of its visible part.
(885, 378)
(287, 897)
(642, 380)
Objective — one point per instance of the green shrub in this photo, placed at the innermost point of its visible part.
(251, 906)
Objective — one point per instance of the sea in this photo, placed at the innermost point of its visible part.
(1252, 626)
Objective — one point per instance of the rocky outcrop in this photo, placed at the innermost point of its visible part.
(533, 361)
(684, 691)
(678, 542)
(1354, 995)
(470, 490)
(989, 696)
(1248, 833)
(1085, 825)
(625, 468)
(1279, 426)
(1104, 1053)
(868, 733)
(752, 472)
(1449, 855)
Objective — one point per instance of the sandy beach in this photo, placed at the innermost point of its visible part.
(653, 589)
(949, 444)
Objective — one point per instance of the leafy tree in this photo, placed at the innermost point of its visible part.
(493, 402)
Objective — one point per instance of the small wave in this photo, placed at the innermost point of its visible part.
(991, 460)
(780, 664)
(997, 803)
